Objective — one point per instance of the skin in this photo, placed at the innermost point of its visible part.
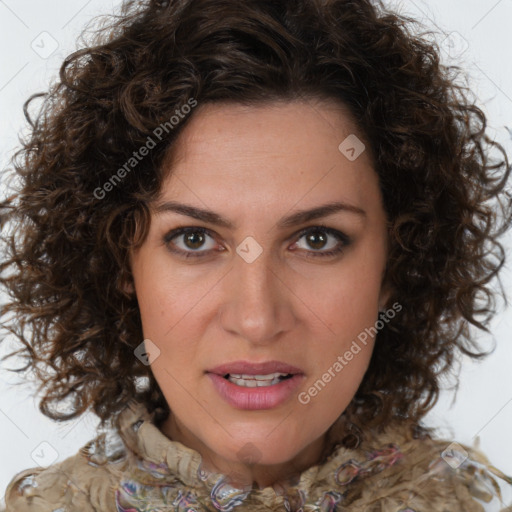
(255, 165)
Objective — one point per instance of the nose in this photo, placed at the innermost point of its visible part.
(257, 303)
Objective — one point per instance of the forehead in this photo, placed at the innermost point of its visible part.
(281, 127)
(275, 153)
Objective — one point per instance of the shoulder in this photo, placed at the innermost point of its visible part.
(439, 475)
(83, 482)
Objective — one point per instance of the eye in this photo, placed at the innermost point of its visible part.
(317, 238)
(190, 242)
(192, 238)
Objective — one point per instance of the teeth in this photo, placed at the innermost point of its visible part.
(257, 377)
(253, 381)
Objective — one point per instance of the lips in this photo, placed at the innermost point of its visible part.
(255, 398)
(248, 368)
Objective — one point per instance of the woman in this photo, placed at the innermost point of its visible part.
(251, 237)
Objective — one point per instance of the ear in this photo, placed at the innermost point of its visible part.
(386, 291)
(128, 287)
(126, 284)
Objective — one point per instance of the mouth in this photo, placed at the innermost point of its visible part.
(253, 386)
(257, 381)
(251, 375)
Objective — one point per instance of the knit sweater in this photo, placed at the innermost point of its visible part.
(136, 468)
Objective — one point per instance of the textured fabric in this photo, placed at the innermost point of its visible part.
(136, 468)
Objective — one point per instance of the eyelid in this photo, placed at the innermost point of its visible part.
(182, 230)
(344, 239)
(322, 227)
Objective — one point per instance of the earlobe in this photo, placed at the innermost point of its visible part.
(127, 285)
(386, 290)
(385, 294)
(129, 288)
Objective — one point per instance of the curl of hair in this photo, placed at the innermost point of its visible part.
(67, 266)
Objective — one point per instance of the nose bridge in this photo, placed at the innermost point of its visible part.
(256, 278)
(256, 304)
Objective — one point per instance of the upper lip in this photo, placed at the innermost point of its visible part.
(248, 368)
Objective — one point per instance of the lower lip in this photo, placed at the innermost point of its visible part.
(265, 397)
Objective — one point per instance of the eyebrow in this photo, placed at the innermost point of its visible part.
(299, 217)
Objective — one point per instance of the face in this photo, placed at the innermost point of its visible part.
(254, 282)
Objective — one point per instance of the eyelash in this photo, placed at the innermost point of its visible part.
(342, 238)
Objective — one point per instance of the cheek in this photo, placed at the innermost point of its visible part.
(346, 300)
(330, 391)
(166, 296)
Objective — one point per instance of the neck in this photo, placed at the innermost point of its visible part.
(244, 473)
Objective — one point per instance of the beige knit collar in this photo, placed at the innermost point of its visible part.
(167, 468)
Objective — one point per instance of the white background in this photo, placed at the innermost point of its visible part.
(482, 46)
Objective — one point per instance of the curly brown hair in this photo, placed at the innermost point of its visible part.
(67, 264)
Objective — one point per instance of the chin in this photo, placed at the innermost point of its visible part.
(260, 451)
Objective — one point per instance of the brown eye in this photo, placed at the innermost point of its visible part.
(189, 241)
(317, 238)
(194, 240)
